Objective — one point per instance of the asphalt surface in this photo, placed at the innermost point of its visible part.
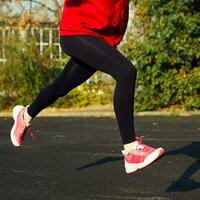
(78, 158)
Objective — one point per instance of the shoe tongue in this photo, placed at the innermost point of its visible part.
(27, 124)
(133, 147)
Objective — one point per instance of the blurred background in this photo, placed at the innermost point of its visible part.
(162, 40)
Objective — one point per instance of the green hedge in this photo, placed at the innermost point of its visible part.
(165, 48)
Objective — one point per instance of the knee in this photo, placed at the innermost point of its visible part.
(129, 73)
(132, 72)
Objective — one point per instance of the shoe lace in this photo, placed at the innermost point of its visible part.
(21, 130)
(33, 135)
(141, 146)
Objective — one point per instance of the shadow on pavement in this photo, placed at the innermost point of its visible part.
(185, 182)
(100, 162)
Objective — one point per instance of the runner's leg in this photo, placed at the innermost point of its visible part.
(101, 56)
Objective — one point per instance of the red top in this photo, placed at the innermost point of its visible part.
(106, 19)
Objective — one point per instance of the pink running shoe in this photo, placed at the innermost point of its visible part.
(141, 156)
(20, 127)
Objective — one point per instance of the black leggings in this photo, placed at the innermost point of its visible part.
(89, 54)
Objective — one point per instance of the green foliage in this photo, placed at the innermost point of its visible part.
(93, 92)
(26, 73)
(164, 44)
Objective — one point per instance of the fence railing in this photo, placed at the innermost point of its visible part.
(46, 37)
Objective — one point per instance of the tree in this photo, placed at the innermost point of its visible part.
(165, 47)
(29, 12)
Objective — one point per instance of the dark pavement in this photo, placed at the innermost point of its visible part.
(80, 158)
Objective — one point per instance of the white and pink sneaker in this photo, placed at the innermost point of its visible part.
(141, 156)
(20, 127)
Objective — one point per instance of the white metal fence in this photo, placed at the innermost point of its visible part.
(45, 37)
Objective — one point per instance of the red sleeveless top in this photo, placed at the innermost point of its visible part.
(106, 19)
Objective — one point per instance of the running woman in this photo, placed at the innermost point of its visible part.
(90, 30)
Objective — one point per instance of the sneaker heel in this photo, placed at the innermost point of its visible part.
(16, 111)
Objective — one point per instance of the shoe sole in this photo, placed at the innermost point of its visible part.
(129, 168)
(16, 110)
